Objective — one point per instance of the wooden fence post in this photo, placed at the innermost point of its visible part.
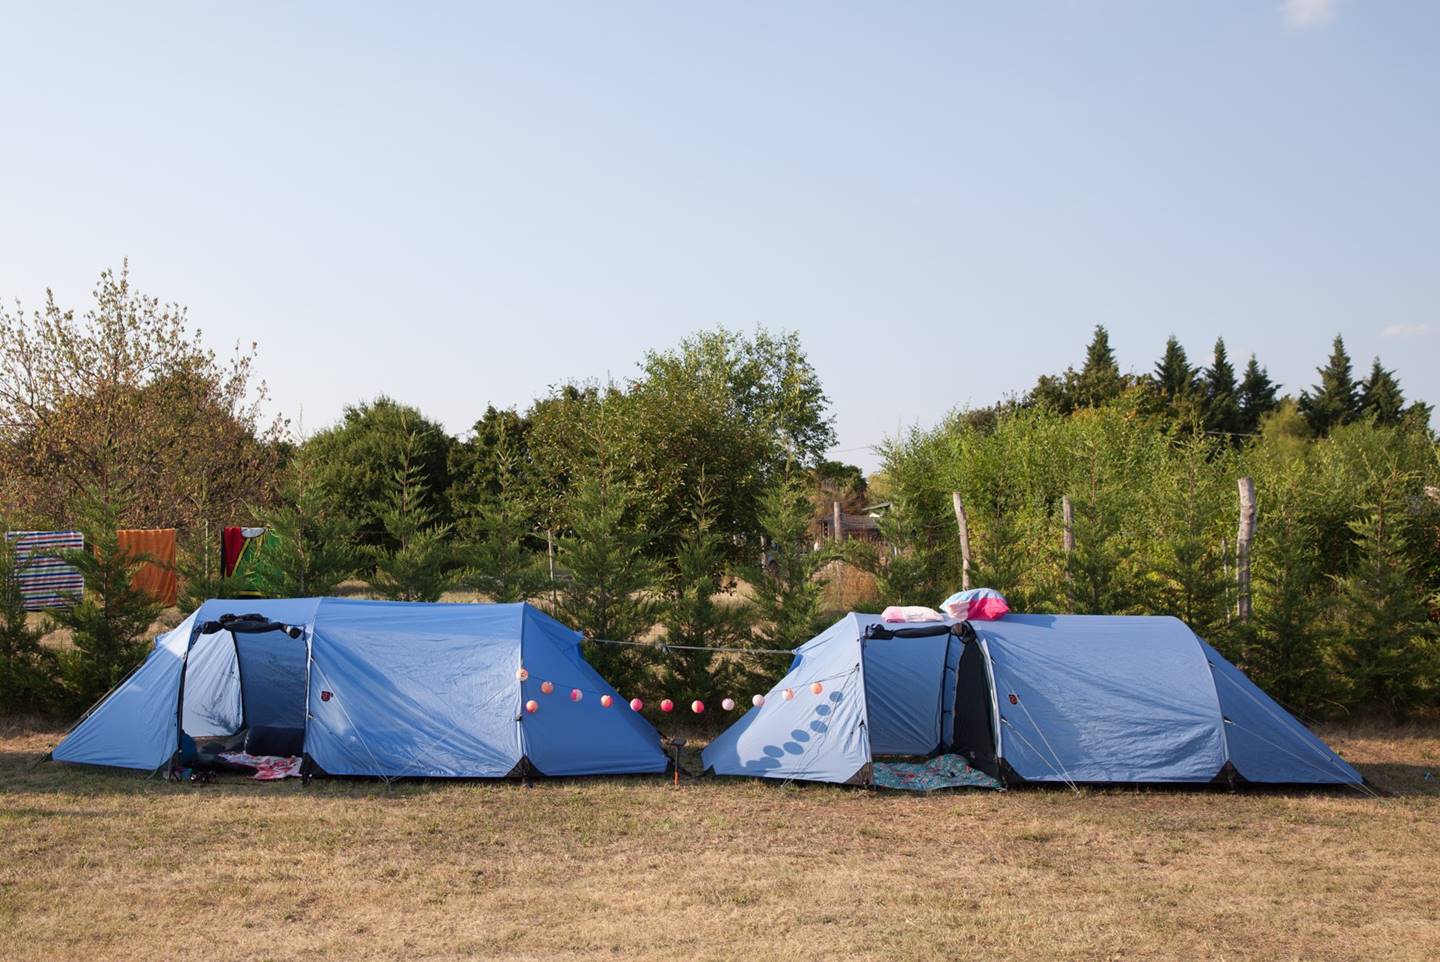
(964, 525)
(1067, 514)
(1243, 538)
(837, 531)
(550, 555)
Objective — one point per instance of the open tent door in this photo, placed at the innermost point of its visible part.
(246, 673)
(974, 733)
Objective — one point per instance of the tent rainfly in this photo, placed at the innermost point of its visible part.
(387, 689)
(1027, 698)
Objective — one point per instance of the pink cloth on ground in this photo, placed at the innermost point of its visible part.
(268, 768)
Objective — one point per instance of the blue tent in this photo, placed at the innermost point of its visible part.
(373, 688)
(1027, 698)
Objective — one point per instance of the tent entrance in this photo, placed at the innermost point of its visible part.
(245, 684)
(974, 733)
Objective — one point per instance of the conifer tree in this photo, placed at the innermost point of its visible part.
(1189, 568)
(421, 565)
(1257, 396)
(27, 668)
(1222, 408)
(1381, 399)
(1333, 401)
(500, 563)
(108, 626)
(608, 581)
(696, 614)
(1001, 561)
(787, 589)
(1283, 645)
(1100, 379)
(313, 549)
(1174, 375)
(1099, 570)
(1387, 642)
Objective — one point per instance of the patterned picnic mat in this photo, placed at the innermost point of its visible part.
(942, 771)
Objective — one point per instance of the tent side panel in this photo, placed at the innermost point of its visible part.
(405, 700)
(1267, 743)
(136, 726)
(812, 738)
(579, 738)
(1104, 699)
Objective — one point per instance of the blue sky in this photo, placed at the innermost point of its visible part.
(466, 204)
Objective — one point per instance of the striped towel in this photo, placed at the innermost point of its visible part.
(45, 580)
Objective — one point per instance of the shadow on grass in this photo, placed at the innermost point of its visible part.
(27, 774)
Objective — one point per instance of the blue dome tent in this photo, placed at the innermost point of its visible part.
(1027, 698)
(388, 689)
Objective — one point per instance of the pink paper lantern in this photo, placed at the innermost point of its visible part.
(667, 705)
(522, 674)
(532, 706)
(576, 694)
(547, 687)
(789, 694)
(636, 704)
(816, 688)
(606, 701)
(758, 700)
(728, 704)
(697, 706)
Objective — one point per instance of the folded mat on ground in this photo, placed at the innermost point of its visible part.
(942, 771)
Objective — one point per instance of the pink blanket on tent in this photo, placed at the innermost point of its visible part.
(268, 768)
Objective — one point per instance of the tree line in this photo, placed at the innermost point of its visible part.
(679, 506)
(1346, 557)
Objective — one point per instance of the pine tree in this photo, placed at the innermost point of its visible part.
(421, 565)
(1100, 379)
(1257, 396)
(1283, 645)
(1176, 384)
(695, 614)
(1387, 641)
(1100, 571)
(1002, 561)
(1333, 401)
(1222, 408)
(1189, 568)
(313, 549)
(607, 581)
(1381, 399)
(500, 564)
(27, 668)
(108, 627)
(1174, 376)
(787, 589)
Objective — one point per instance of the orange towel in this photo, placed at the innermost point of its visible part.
(157, 575)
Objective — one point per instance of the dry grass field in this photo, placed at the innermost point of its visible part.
(101, 865)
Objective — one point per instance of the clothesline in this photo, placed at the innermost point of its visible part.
(665, 647)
